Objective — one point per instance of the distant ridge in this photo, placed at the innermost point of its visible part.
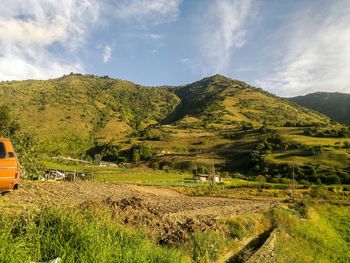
(336, 105)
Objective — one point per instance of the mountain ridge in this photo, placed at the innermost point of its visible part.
(79, 109)
(336, 105)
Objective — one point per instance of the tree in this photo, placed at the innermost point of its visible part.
(136, 156)
(97, 158)
(142, 151)
(8, 127)
(26, 148)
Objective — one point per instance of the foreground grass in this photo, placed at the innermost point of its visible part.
(75, 237)
(319, 237)
(306, 232)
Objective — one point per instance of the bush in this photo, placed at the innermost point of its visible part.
(155, 165)
(240, 227)
(332, 179)
(207, 246)
(141, 152)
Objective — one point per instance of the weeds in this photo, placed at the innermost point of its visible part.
(207, 247)
(75, 236)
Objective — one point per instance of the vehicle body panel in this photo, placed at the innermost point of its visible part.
(9, 166)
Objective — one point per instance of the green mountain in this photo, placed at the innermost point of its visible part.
(221, 100)
(333, 104)
(70, 113)
(217, 119)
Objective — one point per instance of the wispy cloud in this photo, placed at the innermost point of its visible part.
(39, 38)
(107, 53)
(223, 29)
(155, 36)
(153, 51)
(29, 28)
(150, 11)
(317, 54)
(185, 60)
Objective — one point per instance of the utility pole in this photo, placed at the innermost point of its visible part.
(293, 186)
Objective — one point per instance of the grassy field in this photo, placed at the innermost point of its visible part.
(73, 236)
(327, 158)
(308, 140)
(305, 231)
(142, 175)
(321, 237)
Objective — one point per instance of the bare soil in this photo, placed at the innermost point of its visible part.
(170, 215)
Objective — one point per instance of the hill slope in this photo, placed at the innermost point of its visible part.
(68, 113)
(217, 119)
(333, 104)
(219, 99)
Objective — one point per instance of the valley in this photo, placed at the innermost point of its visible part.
(241, 129)
(282, 196)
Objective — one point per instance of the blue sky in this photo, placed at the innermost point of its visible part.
(286, 47)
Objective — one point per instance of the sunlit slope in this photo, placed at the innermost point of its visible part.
(221, 100)
(68, 113)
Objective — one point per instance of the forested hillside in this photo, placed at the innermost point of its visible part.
(333, 104)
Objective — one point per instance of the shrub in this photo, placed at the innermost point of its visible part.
(240, 227)
(207, 246)
(155, 165)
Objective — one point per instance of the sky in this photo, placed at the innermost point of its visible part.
(286, 47)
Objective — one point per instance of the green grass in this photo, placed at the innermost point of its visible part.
(75, 236)
(314, 239)
(141, 177)
(327, 158)
(308, 140)
(49, 164)
(124, 175)
(338, 218)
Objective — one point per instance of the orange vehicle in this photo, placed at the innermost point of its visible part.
(9, 166)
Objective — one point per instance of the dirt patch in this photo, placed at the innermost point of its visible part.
(167, 228)
(169, 215)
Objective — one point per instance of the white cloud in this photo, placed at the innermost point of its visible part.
(223, 29)
(29, 28)
(185, 60)
(38, 38)
(150, 11)
(153, 51)
(317, 54)
(21, 65)
(107, 53)
(155, 36)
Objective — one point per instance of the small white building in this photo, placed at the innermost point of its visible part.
(206, 178)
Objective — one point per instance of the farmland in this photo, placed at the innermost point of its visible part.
(178, 224)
